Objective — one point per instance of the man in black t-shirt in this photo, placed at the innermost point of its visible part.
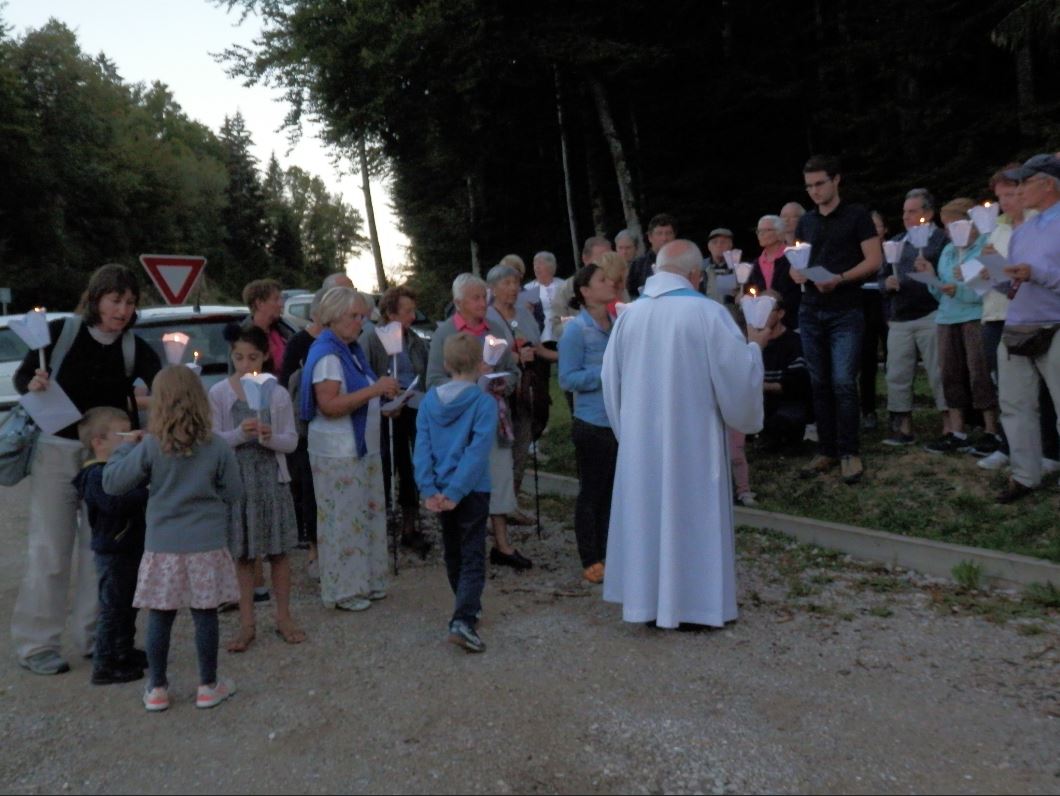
(831, 318)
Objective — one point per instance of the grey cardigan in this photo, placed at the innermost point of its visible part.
(436, 363)
(187, 511)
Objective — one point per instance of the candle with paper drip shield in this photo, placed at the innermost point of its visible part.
(391, 338)
(892, 251)
(798, 256)
(743, 272)
(985, 217)
(32, 329)
(757, 309)
(254, 390)
(920, 235)
(174, 344)
(733, 257)
(194, 364)
(960, 231)
(493, 349)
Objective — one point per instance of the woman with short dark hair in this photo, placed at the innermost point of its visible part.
(103, 359)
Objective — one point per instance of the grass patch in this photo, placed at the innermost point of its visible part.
(968, 575)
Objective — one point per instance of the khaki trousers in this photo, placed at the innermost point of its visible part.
(59, 546)
(904, 339)
(1018, 380)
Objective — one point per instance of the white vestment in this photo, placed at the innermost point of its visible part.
(676, 372)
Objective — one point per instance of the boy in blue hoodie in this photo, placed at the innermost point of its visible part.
(118, 526)
(455, 429)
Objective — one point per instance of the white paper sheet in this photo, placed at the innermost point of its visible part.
(401, 400)
(819, 274)
(485, 381)
(971, 270)
(926, 278)
(995, 265)
(51, 409)
(726, 283)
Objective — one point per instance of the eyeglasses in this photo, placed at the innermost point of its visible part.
(764, 230)
(1032, 178)
(811, 185)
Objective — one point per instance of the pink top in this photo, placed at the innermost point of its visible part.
(277, 345)
(463, 326)
(767, 262)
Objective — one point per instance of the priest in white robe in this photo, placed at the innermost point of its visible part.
(676, 372)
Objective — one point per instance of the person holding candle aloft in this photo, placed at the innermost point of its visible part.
(102, 360)
(831, 319)
(772, 269)
(960, 341)
(340, 399)
(912, 328)
(263, 523)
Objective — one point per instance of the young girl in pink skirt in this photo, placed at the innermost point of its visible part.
(194, 480)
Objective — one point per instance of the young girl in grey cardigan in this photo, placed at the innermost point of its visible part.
(193, 479)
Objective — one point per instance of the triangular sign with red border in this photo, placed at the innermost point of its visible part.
(173, 274)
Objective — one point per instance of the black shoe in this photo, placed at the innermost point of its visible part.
(899, 440)
(948, 443)
(870, 422)
(260, 597)
(982, 445)
(1013, 492)
(417, 543)
(515, 559)
(116, 673)
(133, 658)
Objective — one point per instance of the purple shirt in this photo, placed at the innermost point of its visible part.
(1037, 243)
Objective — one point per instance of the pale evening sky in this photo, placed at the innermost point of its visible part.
(171, 42)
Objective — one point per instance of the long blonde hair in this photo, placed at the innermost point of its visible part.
(180, 412)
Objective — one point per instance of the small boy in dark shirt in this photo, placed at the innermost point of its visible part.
(118, 527)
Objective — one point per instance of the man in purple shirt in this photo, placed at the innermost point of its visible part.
(1033, 316)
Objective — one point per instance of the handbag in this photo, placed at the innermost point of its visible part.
(18, 432)
(1028, 341)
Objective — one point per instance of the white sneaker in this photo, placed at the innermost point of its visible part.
(995, 461)
(375, 596)
(212, 696)
(156, 699)
(1050, 466)
(747, 500)
(811, 432)
(354, 604)
(313, 570)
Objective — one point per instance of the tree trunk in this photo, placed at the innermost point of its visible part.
(472, 218)
(848, 63)
(575, 252)
(638, 160)
(726, 32)
(1026, 106)
(369, 208)
(592, 169)
(618, 155)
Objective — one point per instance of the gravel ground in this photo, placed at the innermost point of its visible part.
(838, 678)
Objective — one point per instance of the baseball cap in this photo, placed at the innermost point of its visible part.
(1043, 164)
(719, 232)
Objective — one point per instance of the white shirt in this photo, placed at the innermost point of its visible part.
(333, 436)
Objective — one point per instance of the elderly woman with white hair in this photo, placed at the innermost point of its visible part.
(772, 271)
(340, 400)
(469, 299)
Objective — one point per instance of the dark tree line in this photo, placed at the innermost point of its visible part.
(702, 108)
(94, 169)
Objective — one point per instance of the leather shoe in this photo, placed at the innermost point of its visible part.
(1013, 492)
(514, 559)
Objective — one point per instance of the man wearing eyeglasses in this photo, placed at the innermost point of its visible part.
(831, 318)
(1030, 346)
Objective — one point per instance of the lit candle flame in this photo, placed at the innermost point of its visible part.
(195, 357)
(923, 220)
(987, 204)
(753, 293)
(38, 309)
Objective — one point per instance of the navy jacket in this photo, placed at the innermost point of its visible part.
(118, 522)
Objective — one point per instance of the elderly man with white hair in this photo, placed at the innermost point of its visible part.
(676, 372)
(772, 271)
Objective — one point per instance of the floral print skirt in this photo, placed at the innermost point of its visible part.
(169, 581)
(351, 526)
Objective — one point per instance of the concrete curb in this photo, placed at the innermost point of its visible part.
(923, 555)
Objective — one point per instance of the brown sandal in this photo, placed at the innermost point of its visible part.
(289, 631)
(242, 642)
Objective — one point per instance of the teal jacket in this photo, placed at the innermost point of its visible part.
(965, 305)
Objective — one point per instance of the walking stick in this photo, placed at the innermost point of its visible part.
(533, 444)
(392, 518)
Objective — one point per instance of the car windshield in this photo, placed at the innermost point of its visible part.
(207, 338)
(12, 349)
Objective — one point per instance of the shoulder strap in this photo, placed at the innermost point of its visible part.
(71, 326)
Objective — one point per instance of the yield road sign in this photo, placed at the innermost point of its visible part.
(173, 274)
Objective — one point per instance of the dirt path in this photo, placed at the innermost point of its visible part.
(837, 678)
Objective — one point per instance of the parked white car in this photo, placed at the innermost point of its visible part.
(12, 352)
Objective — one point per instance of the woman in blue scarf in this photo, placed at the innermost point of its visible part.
(340, 401)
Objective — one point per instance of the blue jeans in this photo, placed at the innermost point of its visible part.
(464, 541)
(831, 343)
(116, 626)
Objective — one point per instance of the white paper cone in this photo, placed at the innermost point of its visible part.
(33, 329)
(493, 349)
(743, 272)
(252, 388)
(798, 255)
(960, 231)
(390, 337)
(174, 343)
(620, 307)
(192, 366)
(732, 257)
(756, 310)
(920, 235)
(985, 218)
(892, 250)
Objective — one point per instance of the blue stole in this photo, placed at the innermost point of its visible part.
(682, 291)
(355, 371)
